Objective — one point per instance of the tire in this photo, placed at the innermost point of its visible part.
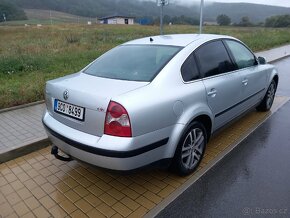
(268, 99)
(190, 149)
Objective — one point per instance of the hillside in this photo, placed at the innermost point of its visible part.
(99, 8)
(56, 16)
(256, 13)
(10, 11)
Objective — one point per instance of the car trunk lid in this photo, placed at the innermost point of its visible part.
(89, 92)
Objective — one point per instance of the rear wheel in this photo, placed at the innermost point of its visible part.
(190, 149)
(268, 100)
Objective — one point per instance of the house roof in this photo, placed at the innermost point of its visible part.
(114, 16)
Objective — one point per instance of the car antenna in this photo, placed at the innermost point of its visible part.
(151, 39)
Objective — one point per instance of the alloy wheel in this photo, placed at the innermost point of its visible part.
(193, 148)
(271, 94)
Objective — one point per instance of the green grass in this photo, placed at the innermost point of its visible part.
(29, 56)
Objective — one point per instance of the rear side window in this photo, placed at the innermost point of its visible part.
(214, 59)
(243, 57)
(133, 62)
(189, 69)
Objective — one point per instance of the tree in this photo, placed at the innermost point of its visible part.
(184, 20)
(245, 21)
(278, 21)
(223, 20)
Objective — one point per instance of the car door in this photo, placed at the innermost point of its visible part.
(253, 78)
(221, 81)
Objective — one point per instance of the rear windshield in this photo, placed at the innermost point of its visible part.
(133, 62)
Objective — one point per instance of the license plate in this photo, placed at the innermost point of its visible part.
(69, 110)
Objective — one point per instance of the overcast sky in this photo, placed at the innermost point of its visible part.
(285, 3)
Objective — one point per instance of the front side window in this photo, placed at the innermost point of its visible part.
(133, 62)
(243, 57)
(189, 69)
(214, 59)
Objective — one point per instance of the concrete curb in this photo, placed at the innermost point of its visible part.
(24, 149)
(21, 106)
(278, 59)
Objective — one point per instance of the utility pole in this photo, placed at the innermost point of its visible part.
(201, 16)
(161, 4)
(161, 17)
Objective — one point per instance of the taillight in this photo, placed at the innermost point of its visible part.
(117, 121)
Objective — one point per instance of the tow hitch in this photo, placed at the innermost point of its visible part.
(54, 151)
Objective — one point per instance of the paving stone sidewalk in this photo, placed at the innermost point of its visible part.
(275, 53)
(21, 130)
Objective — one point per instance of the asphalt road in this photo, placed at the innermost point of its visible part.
(254, 179)
(283, 68)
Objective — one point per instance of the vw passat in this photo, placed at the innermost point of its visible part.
(156, 99)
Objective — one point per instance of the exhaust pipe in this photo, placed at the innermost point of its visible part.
(54, 151)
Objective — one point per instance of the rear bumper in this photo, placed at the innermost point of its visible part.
(124, 153)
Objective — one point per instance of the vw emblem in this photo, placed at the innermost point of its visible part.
(65, 94)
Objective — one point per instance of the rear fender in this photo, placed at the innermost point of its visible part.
(184, 120)
(274, 75)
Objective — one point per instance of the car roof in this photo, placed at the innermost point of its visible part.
(175, 40)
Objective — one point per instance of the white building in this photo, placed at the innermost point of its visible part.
(117, 19)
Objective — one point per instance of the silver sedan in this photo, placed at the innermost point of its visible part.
(156, 100)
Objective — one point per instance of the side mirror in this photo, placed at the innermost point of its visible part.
(262, 60)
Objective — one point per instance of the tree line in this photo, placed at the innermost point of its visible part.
(180, 20)
(222, 20)
(274, 21)
(278, 21)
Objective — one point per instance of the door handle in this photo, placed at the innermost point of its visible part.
(212, 93)
(245, 82)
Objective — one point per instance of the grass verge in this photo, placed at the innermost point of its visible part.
(29, 56)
